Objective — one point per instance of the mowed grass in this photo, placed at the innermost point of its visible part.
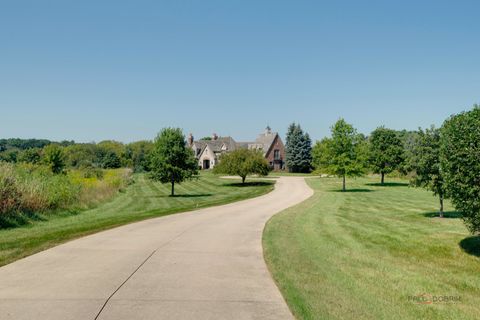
(144, 199)
(361, 254)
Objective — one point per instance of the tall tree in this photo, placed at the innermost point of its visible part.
(171, 161)
(460, 154)
(298, 149)
(242, 162)
(425, 161)
(343, 153)
(321, 156)
(386, 151)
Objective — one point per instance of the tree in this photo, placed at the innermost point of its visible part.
(137, 155)
(298, 149)
(242, 162)
(425, 161)
(171, 161)
(409, 141)
(321, 156)
(54, 158)
(82, 154)
(386, 151)
(343, 153)
(111, 160)
(31, 155)
(460, 154)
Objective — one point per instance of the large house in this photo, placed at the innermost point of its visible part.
(208, 152)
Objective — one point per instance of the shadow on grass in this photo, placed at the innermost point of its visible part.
(250, 184)
(446, 215)
(353, 190)
(15, 220)
(471, 245)
(191, 195)
(388, 184)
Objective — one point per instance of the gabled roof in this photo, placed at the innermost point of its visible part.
(221, 144)
(264, 141)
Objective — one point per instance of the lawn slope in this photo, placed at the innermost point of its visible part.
(144, 199)
(363, 253)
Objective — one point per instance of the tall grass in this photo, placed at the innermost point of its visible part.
(28, 191)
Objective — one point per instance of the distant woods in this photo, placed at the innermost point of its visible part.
(68, 154)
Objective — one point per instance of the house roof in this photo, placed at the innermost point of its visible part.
(216, 145)
(263, 142)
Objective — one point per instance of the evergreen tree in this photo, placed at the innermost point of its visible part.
(298, 149)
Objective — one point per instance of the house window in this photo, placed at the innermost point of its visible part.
(276, 154)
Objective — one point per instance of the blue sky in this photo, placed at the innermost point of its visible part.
(94, 70)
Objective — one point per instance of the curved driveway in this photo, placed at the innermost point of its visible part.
(204, 264)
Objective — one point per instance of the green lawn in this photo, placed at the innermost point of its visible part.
(144, 199)
(361, 254)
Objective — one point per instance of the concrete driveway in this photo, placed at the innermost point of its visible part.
(204, 264)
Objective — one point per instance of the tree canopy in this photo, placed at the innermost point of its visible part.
(54, 158)
(386, 151)
(242, 162)
(343, 154)
(171, 161)
(460, 154)
(298, 149)
(425, 161)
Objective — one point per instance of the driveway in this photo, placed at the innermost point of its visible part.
(204, 264)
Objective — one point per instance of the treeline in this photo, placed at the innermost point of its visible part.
(102, 155)
(443, 160)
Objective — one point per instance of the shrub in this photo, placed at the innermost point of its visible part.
(9, 193)
(54, 158)
(27, 188)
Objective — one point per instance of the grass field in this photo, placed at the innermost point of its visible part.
(144, 199)
(373, 253)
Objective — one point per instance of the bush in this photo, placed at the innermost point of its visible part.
(9, 193)
(27, 188)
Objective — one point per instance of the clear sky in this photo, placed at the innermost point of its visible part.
(94, 70)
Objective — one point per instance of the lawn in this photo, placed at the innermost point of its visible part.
(144, 199)
(375, 252)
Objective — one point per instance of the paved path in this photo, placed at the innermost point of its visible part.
(205, 264)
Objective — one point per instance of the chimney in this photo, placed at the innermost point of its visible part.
(190, 139)
(214, 136)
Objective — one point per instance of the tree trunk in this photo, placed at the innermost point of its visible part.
(243, 179)
(441, 206)
(383, 177)
(344, 188)
(173, 187)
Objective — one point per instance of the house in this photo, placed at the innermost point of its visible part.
(208, 152)
(273, 148)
